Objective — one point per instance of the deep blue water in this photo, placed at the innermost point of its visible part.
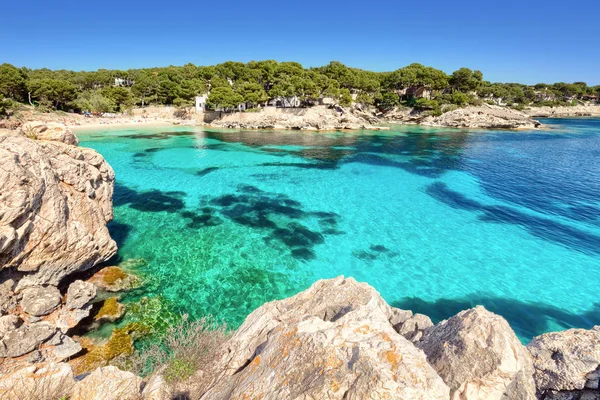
(437, 220)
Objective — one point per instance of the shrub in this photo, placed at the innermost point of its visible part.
(182, 351)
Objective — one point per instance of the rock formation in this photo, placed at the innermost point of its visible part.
(53, 131)
(340, 340)
(309, 119)
(479, 357)
(567, 364)
(333, 341)
(563, 111)
(55, 202)
(485, 116)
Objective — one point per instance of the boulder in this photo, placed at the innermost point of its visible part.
(479, 357)
(40, 130)
(24, 339)
(332, 341)
(413, 327)
(114, 279)
(79, 294)
(567, 360)
(108, 383)
(8, 323)
(57, 200)
(62, 347)
(48, 381)
(40, 300)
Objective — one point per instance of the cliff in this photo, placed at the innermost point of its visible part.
(558, 112)
(55, 202)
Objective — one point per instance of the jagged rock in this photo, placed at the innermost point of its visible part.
(108, 383)
(156, 389)
(585, 394)
(40, 300)
(50, 381)
(332, 341)
(7, 301)
(568, 360)
(399, 317)
(63, 347)
(35, 357)
(479, 357)
(68, 319)
(40, 130)
(25, 339)
(57, 200)
(8, 323)
(79, 294)
(413, 327)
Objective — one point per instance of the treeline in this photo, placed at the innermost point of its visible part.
(233, 83)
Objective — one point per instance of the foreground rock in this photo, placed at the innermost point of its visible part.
(333, 341)
(57, 200)
(567, 362)
(479, 357)
(337, 340)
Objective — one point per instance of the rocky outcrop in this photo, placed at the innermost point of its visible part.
(316, 118)
(563, 111)
(332, 341)
(479, 357)
(108, 383)
(567, 363)
(481, 117)
(340, 340)
(56, 201)
(485, 116)
(41, 130)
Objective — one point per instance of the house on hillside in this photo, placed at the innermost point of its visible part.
(201, 103)
(285, 102)
(123, 82)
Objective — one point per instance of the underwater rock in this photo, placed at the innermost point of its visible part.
(110, 311)
(114, 279)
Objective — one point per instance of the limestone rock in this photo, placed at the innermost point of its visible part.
(40, 300)
(413, 327)
(62, 347)
(399, 317)
(8, 323)
(332, 341)
(56, 201)
(25, 339)
(568, 360)
(41, 130)
(108, 383)
(50, 381)
(479, 357)
(79, 294)
(484, 116)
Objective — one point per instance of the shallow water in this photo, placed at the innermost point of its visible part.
(437, 220)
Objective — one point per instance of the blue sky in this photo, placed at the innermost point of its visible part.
(528, 41)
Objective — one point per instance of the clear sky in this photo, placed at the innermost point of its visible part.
(528, 41)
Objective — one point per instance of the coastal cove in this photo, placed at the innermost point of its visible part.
(218, 222)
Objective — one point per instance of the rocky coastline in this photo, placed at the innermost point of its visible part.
(338, 339)
(563, 112)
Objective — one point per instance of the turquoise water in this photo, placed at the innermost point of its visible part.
(437, 220)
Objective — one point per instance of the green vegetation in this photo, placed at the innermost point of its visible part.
(255, 83)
